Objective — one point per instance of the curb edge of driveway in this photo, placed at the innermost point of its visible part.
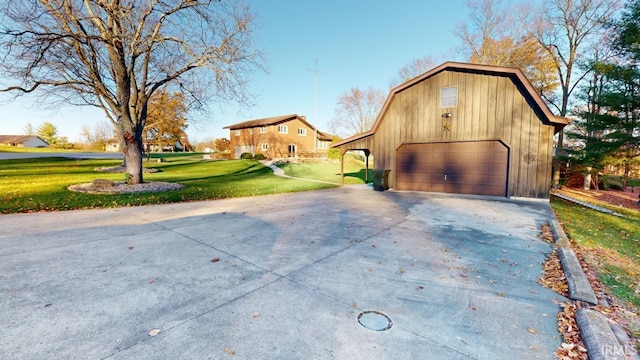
(595, 330)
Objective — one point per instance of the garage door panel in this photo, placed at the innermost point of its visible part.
(455, 167)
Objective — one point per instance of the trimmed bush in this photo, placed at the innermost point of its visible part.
(333, 153)
(611, 182)
(258, 156)
(246, 156)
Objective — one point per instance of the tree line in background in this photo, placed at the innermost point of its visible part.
(146, 65)
(579, 55)
(606, 129)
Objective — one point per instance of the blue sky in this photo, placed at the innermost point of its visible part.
(356, 43)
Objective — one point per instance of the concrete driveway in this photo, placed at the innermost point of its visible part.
(280, 277)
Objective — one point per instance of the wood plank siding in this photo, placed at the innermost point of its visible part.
(493, 104)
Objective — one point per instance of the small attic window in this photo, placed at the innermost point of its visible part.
(449, 97)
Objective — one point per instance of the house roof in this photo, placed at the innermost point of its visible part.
(514, 73)
(275, 120)
(324, 136)
(18, 139)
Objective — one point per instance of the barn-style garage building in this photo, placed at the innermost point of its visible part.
(464, 128)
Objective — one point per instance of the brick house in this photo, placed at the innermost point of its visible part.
(278, 137)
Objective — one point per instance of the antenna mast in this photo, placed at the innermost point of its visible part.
(315, 108)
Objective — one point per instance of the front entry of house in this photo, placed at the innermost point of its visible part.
(293, 150)
(241, 149)
(463, 167)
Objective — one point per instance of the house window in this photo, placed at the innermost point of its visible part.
(302, 131)
(251, 131)
(263, 130)
(264, 146)
(283, 129)
(237, 132)
(322, 144)
(449, 97)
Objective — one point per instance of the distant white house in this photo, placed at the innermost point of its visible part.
(208, 150)
(113, 145)
(29, 141)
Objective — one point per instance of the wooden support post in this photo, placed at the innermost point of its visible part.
(342, 151)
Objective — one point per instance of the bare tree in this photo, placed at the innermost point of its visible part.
(489, 21)
(115, 54)
(493, 37)
(28, 129)
(97, 136)
(356, 111)
(566, 29)
(412, 69)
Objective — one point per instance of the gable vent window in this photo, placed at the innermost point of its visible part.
(283, 129)
(449, 97)
(302, 131)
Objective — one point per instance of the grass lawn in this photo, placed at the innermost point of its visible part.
(20, 149)
(354, 171)
(611, 242)
(29, 185)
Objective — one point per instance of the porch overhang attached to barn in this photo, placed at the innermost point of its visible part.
(361, 142)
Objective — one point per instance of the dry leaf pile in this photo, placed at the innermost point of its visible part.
(572, 347)
(553, 275)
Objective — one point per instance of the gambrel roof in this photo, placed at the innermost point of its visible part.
(515, 74)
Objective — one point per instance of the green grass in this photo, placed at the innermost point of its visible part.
(19, 149)
(354, 171)
(30, 185)
(612, 242)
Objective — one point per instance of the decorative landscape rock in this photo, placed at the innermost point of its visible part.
(103, 183)
(120, 187)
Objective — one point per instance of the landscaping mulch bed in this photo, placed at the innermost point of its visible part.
(627, 199)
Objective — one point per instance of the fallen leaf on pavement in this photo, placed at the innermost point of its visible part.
(154, 332)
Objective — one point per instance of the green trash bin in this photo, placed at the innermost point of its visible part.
(381, 179)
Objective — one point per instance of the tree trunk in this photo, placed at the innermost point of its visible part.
(625, 177)
(556, 170)
(133, 160)
(586, 185)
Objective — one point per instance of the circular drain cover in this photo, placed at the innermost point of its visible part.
(374, 320)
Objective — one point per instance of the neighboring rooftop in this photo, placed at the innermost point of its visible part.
(15, 140)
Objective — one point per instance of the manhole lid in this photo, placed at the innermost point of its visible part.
(374, 320)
